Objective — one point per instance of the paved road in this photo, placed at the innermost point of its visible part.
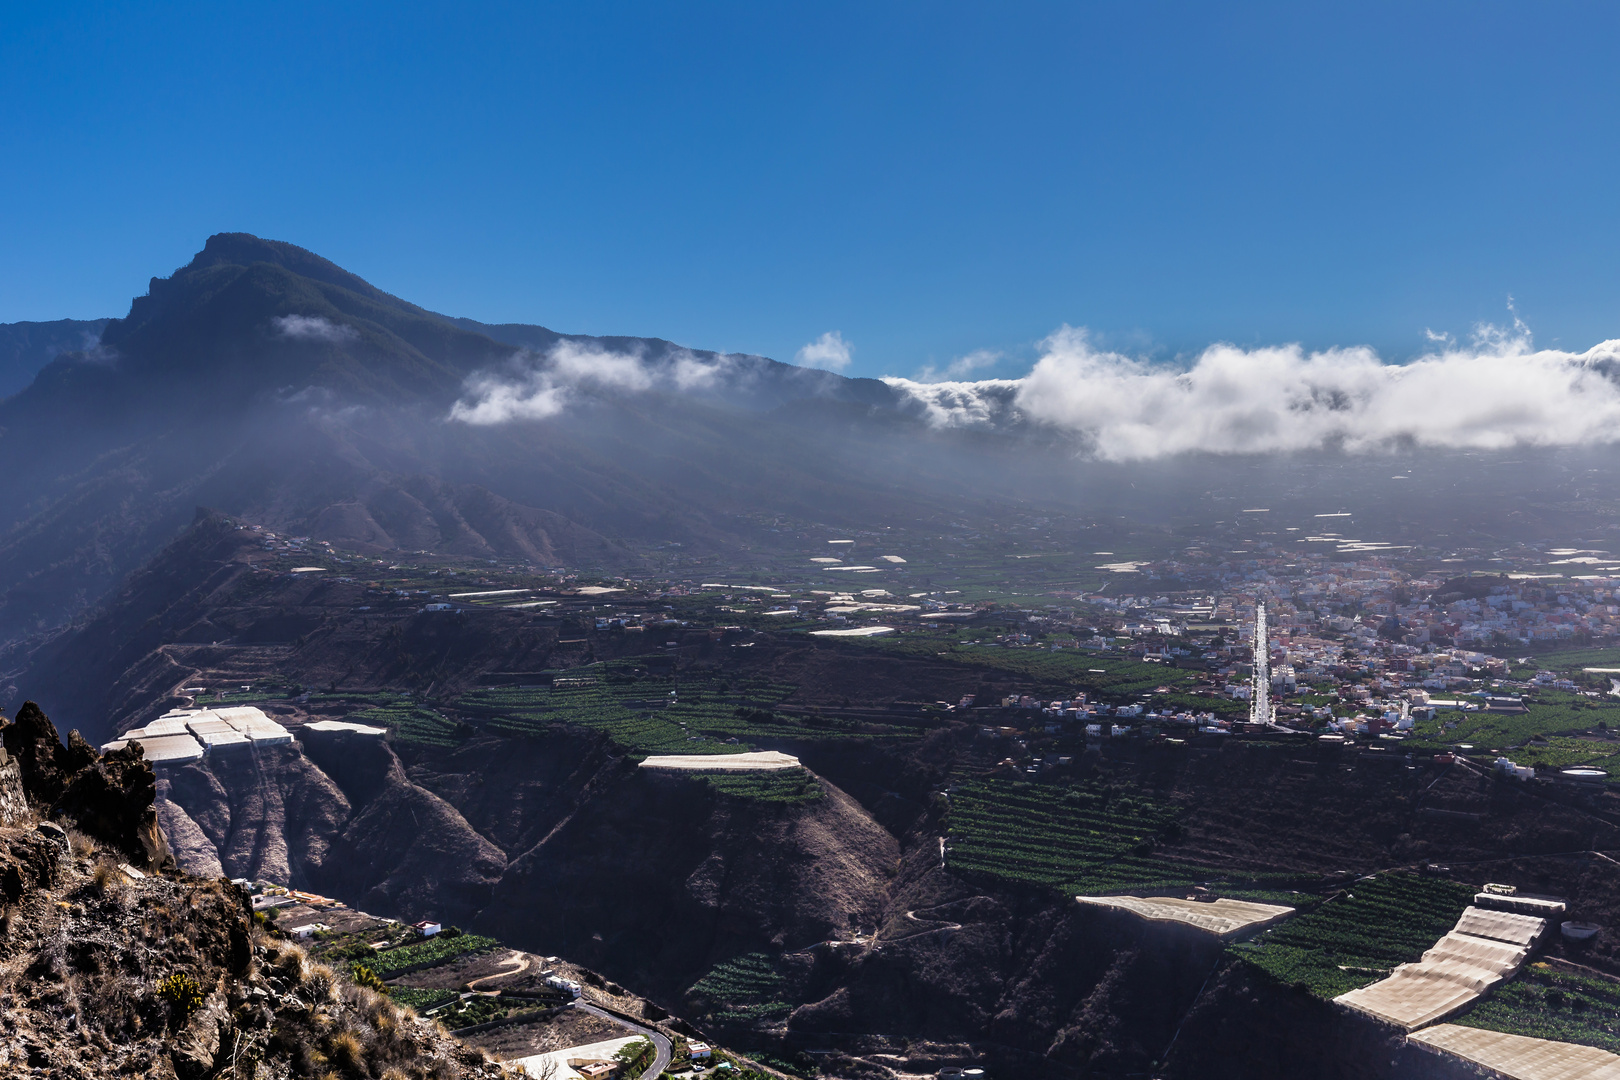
(660, 1043)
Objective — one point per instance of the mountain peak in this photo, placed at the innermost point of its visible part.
(245, 249)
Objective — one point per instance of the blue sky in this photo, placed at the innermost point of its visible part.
(927, 179)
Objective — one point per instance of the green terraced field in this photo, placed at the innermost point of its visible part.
(1077, 840)
(1108, 674)
(638, 714)
(1502, 730)
(410, 723)
(1357, 938)
(1562, 752)
(1546, 1003)
(421, 999)
(745, 988)
(435, 950)
(1573, 659)
(787, 786)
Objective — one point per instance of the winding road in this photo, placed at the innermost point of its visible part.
(661, 1043)
(518, 958)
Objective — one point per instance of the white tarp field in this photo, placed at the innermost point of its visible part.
(855, 631)
(1483, 949)
(1224, 918)
(554, 1064)
(754, 762)
(1520, 1056)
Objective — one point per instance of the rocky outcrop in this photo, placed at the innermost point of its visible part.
(110, 972)
(112, 799)
(167, 977)
(45, 764)
(655, 878)
(344, 820)
(13, 802)
(109, 797)
(29, 861)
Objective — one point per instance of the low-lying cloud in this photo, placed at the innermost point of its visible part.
(960, 368)
(312, 328)
(1496, 393)
(829, 351)
(534, 386)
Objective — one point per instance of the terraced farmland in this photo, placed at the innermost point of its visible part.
(744, 989)
(1357, 938)
(410, 723)
(421, 998)
(639, 715)
(1108, 674)
(435, 950)
(1555, 716)
(1546, 1003)
(1078, 839)
(787, 786)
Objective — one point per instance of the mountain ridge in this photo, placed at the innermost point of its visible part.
(263, 379)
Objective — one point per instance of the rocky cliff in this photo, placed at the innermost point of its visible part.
(106, 970)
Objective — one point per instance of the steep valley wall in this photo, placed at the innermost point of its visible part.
(558, 846)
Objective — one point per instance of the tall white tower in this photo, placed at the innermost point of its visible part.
(1260, 697)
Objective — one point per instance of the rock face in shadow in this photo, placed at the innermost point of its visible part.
(113, 801)
(45, 764)
(191, 847)
(363, 832)
(267, 812)
(110, 796)
(654, 876)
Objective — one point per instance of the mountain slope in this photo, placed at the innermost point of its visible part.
(26, 347)
(264, 380)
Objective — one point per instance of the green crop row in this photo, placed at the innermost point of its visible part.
(787, 786)
(435, 950)
(745, 989)
(1357, 937)
(1068, 669)
(410, 723)
(637, 712)
(1075, 839)
(1502, 730)
(421, 998)
(1546, 1003)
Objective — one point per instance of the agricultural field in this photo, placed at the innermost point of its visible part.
(421, 998)
(641, 717)
(1358, 937)
(1546, 1003)
(786, 786)
(1563, 752)
(435, 950)
(1545, 717)
(1108, 674)
(411, 723)
(744, 989)
(1572, 659)
(1080, 839)
(1224, 707)
(481, 1009)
